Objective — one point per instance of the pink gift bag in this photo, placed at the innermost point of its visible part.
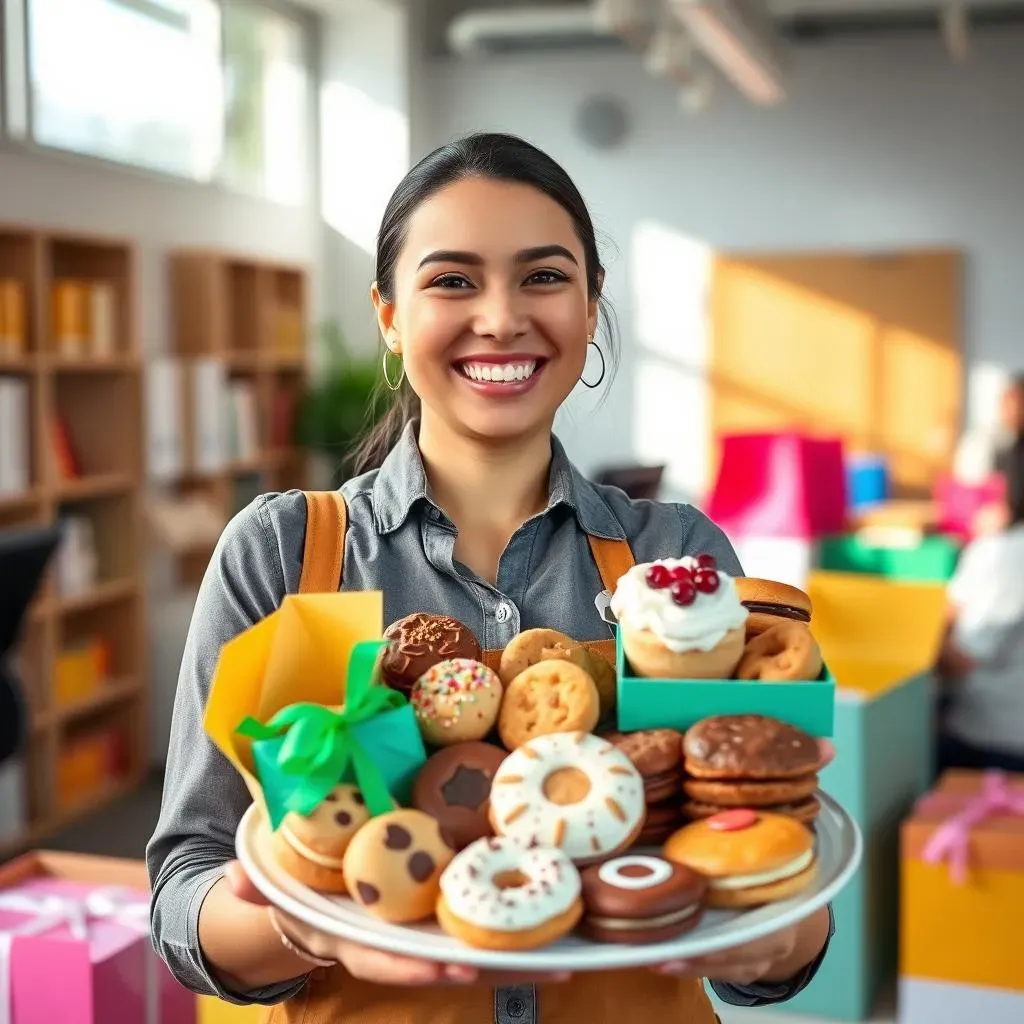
(960, 502)
(785, 485)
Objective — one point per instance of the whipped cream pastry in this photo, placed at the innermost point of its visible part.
(687, 603)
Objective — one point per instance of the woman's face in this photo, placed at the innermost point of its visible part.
(491, 312)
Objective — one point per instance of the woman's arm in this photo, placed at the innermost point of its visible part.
(212, 942)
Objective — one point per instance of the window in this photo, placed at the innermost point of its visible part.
(136, 81)
(268, 95)
(210, 90)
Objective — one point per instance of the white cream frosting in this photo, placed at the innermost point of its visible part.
(469, 888)
(794, 867)
(700, 626)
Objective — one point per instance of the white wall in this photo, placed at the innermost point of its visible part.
(880, 145)
(72, 194)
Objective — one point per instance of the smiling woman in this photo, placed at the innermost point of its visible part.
(488, 292)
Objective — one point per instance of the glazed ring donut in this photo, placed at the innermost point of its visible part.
(785, 651)
(572, 790)
(503, 894)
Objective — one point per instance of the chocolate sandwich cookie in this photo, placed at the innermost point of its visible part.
(749, 747)
(454, 787)
(661, 821)
(740, 793)
(420, 641)
(657, 755)
(639, 899)
(769, 602)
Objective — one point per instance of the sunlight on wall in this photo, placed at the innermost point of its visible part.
(670, 275)
(365, 153)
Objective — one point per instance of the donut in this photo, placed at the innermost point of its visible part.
(393, 866)
(549, 697)
(311, 848)
(783, 651)
(454, 786)
(640, 899)
(456, 701)
(574, 791)
(504, 894)
(418, 642)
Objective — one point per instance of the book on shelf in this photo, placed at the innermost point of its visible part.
(13, 335)
(209, 441)
(242, 421)
(14, 436)
(77, 561)
(163, 419)
(65, 460)
(84, 318)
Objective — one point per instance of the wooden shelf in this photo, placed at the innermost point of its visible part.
(250, 315)
(80, 355)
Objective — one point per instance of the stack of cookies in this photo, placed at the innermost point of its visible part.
(750, 761)
(657, 755)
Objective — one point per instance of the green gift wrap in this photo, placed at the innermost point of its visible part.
(372, 742)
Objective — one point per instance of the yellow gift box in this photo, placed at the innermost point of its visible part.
(962, 882)
(210, 1010)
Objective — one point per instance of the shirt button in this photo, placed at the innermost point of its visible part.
(503, 613)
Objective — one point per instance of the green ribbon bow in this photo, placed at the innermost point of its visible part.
(320, 745)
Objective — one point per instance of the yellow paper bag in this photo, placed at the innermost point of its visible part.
(299, 654)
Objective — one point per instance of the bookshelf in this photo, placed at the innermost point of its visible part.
(71, 451)
(239, 333)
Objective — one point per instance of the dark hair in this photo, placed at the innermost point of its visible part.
(499, 157)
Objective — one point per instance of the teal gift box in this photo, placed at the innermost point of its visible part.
(933, 559)
(372, 741)
(681, 703)
(391, 740)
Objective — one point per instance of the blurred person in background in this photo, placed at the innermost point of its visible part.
(981, 664)
(998, 449)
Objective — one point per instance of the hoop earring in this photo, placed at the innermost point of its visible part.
(387, 377)
(600, 379)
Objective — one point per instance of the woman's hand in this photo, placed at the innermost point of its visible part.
(373, 965)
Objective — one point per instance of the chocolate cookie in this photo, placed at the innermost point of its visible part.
(454, 787)
(653, 751)
(637, 899)
(751, 794)
(748, 747)
(419, 642)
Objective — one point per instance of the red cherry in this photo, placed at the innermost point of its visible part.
(682, 572)
(658, 577)
(732, 821)
(706, 580)
(683, 593)
(707, 562)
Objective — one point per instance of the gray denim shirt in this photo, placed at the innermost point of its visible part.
(401, 543)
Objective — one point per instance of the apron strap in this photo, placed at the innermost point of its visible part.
(323, 557)
(614, 559)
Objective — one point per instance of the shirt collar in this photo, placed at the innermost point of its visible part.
(401, 484)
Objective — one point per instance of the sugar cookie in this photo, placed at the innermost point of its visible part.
(456, 701)
(549, 697)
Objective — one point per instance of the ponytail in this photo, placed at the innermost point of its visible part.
(383, 432)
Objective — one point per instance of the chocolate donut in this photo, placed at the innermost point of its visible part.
(638, 899)
(454, 787)
(420, 641)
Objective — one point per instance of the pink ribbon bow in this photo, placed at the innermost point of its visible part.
(951, 840)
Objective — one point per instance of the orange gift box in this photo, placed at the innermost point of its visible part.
(962, 882)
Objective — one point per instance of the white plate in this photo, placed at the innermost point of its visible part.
(839, 849)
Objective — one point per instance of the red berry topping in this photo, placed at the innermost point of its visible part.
(732, 821)
(683, 593)
(707, 562)
(658, 577)
(682, 572)
(706, 580)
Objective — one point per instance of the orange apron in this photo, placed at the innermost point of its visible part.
(334, 997)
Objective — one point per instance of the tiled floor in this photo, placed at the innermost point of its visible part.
(123, 830)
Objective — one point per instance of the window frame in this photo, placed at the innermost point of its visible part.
(14, 15)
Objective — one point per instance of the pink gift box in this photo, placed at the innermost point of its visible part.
(960, 502)
(75, 948)
(783, 485)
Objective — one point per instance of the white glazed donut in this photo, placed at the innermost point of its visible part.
(599, 822)
(470, 886)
